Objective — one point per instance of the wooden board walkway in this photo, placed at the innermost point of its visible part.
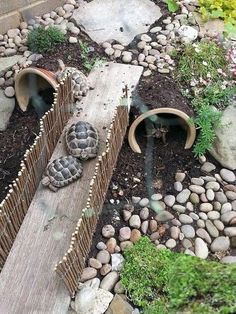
(28, 283)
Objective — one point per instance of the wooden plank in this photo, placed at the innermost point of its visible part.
(28, 283)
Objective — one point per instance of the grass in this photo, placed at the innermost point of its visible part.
(164, 282)
(41, 40)
(201, 62)
(88, 63)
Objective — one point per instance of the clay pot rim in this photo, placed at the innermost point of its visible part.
(191, 130)
(49, 76)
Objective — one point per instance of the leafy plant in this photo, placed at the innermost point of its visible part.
(172, 5)
(164, 282)
(88, 63)
(207, 119)
(40, 39)
(201, 61)
(225, 9)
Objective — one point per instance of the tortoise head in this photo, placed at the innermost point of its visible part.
(45, 181)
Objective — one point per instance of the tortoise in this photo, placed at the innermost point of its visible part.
(61, 172)
(82, 140)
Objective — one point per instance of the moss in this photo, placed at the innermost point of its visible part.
(164, 282)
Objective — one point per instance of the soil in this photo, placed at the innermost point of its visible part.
(20, 134)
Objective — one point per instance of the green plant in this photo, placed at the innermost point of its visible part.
(164, 282)
(201, 61)
(40, 39)
(207, 119)
(172, 5)
(88, 62)
(225, 9)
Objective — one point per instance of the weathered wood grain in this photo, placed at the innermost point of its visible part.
(28, 283)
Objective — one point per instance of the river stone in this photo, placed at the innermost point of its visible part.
(227, 217)
(90, 300)
(208, 167)
(135, 221)
(230, 195)
(108, 231)
(144, 202)
(206, 207)
(203, 216)
(197, 181)
(93, 262)
(224, 145)
(176, 222)
(183, 196)
(117, 261)
(7, 106)
(170, 244)
(213, 215)
(124, 233)
(230, 231)
(201, 223)
(188, 231)
(178, 186)
(228, 259)
(119, 288)
(197, 189)
(194, 216)
(169, 200)
(188, 32)
(7, 63)
(219, 224)
(185, 219)
(103, 257)
(106, 268)
(144, 213)
(180, 176)
(101, 246)
(217, 206)
(202, 233)
(234, 205)
(109, 281)
(111, 245)
(156, 197)
(221, 197)
(88, 273)
(194, 198)
(117, 20)
(208, 178)
(144, 227)
(220, 244)
(213, 231)
(201, 249)
(179, 208)
(189, 252)
(215, 186)
(153, 225)
(126, 215)
(227, 175)
(210, 195)
(135, 235)
(136, 199)
(164, 216)
(187, 243)
(174, 232)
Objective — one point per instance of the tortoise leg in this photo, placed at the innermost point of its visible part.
(53, 188)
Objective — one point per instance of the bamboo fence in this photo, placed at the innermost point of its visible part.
(71, 266)
(21, 192)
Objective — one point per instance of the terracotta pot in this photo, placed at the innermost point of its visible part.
(182, 116)
(29, 81)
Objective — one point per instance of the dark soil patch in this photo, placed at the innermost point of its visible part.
(70, 54)
(20, 134)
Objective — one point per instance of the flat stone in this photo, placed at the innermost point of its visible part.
(7, 63)
(197, 189)
(197, 181)
(106, 268)
(227, 175)
(188, 231)
(213, 215)
(208, 167)
(202, 233)
(93, 262)
(215, 186)
(109, 281)
(201, 249)
(185, 219)
(183, 196)
(228, 216)
(194, 216)
(230, 195)
(116, 19)
(206, 207)
(221, 197)
(7, 106)
(179, 208)
(164, 216)
(219, 224)
(174, 232)
(220, 244)
(88, 273)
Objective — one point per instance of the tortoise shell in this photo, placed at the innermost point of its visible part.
(82, 140)
(64, 170)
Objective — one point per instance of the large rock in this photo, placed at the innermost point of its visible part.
(6, 63)
(224, 147)
(94, 301)
(7, 106)
(119, 20)
(119, 306)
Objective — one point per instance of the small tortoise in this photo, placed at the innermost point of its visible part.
(82, 140)
(62, 171)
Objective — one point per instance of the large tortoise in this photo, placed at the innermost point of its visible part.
(62, 171)
(82, 140)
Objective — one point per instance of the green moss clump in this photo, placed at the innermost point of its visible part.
(164, 282)
(41, 40)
